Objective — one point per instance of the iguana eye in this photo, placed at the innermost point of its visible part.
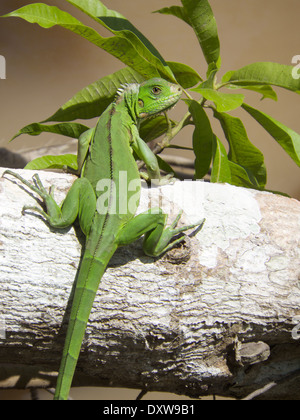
(156, 90)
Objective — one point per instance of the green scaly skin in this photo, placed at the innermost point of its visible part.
(105, 155)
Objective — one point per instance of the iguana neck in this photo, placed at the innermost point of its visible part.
(127, 95)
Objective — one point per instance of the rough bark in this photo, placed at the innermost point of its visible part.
(218, 315)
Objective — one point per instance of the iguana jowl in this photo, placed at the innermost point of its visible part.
(105, 154)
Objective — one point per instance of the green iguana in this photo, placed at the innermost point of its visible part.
(106, 162)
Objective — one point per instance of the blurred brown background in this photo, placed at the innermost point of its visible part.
(46, 67)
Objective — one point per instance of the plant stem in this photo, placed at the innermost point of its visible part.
(166, 140)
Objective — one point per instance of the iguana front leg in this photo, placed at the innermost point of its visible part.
(83, 146)
(144, 153)
(80, 201)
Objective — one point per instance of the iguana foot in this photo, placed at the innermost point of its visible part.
(172, 231)
(38, 188)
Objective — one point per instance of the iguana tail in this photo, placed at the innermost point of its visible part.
(89, 277)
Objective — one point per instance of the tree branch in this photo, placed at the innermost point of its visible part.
(215, 316)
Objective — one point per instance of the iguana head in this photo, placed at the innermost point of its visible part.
(156, 95)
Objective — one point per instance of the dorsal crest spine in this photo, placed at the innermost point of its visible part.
(126, 87)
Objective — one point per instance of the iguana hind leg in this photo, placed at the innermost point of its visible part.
(158, 238)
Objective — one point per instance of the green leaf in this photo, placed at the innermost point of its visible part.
(121, 27)
(118, 46)
(224, 170)
(177, 11)
(72, 130)
(53, 162)
(185, 75)
(241, 150)
(92, 100)
(221, 168)
(202, 20)
(202, 140)
(264, 74)
(288, 139)
(153, 128)
(242, 177)
(211, 72)
(265, 90)
(224, 102)
(164, 166)
(198, 14)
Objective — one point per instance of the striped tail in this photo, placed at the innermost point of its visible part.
(90, 274)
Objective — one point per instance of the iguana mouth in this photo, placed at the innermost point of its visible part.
(161, 104)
